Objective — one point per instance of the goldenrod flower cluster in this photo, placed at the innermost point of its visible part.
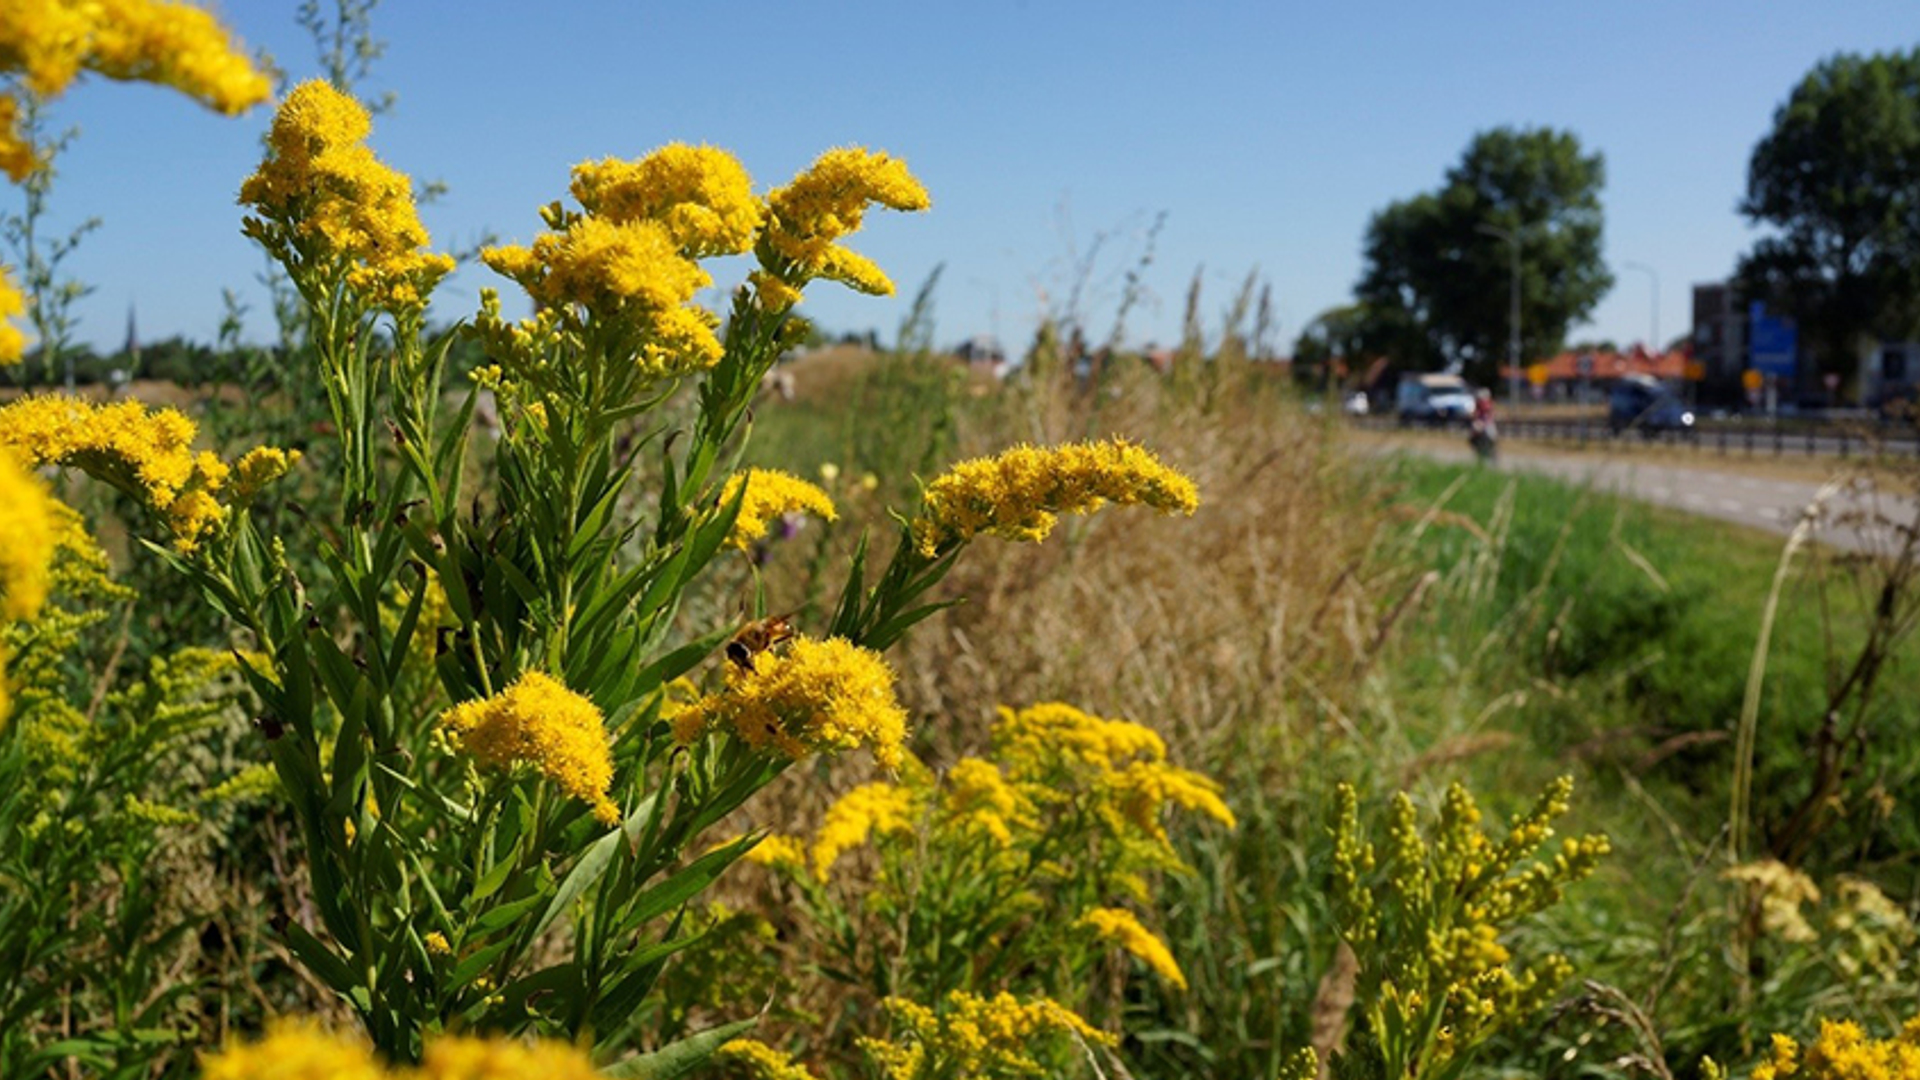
(148, 453)
(1841, 1052)
(771, 493)
(1123, 928)
(1775, 892)
(13, 341)
(1019, 494)
(50, 42)
(818, 207)
(1054, 748)
(1426, 928)
(27, 520)
(979, 1037)
(301, 1050)
(626, 265)
(876, 809)
(539, 722)
(763, 1062)
(331, 211)
(819, 696)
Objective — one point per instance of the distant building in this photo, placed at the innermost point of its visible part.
(1719, 333)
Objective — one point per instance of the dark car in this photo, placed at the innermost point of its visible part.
(1644, 405)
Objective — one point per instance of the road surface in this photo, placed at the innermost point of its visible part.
(1760, 502)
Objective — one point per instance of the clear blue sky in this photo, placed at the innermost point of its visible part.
(1267, 132)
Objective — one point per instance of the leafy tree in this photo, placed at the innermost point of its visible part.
(1436, 271)
(1839, 178)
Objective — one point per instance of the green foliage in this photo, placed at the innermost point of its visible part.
(1836, 179)
(1431, 268)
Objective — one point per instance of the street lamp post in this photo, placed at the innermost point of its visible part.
(1512, 238)
(1654, 280)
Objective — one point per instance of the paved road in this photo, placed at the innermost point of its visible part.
(1761, 502)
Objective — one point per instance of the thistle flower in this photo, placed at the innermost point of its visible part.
(826, 202)
(1123, 928)
(1019, 493)
(872, 809)
(330, 210)
(771, 493)
(50, 42)
(820, 696)
(539, 722)
(146, 453)
(27, 520)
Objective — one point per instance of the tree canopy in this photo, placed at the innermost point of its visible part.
(1432, 265)
(1838, 177)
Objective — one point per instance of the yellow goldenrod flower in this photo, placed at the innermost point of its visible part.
(1122, 928)
(28, 522)
(871, 809)
(436, 943)
(50, 42)
(146, 453)
(13, 341)
(1779, 890)
(979, 796)
(329, 207)
(823, 204)
(1040, 733)
(294, 1050)
(771, 493)
(701, 197)
(259, 467)
(819, 696)
(778, 852)
(1018, 494)
(538, 721)
(978, 1036)
(467, 1057)
(1844, 1052)
(763, 1062)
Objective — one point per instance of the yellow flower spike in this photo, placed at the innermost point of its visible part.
(979, 1036)
(829, 201)
(979, 796)
(819, 696)
(778, 853)
(872, 809)
(771, 493)
(1019, 494)
(326, 201)
(50, 42)
(28, 521)
(539, 722)
(13, 342)
(436, 943)
(146, 453)
(1123, 928)
(763, 1062)
(259, 467)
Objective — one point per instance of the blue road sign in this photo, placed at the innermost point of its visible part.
(1772, 344)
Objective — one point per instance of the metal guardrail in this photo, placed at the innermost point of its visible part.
(1762, 438)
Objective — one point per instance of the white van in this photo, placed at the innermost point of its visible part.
(1434, 399)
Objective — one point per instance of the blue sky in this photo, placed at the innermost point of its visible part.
(1266, 132)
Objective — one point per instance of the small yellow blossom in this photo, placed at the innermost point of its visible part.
(779, 852)
(28, 522)
(819, 696)
(1122, 928)
(329, 207)
(771, 493)
(976, 1036)
(979, 796)
(259, 467)
(436, 943)
(1844, 1052)
(50, 42)
(540, 722)
(826, 202)
(763, 1062)
(467, 1057)
(1019, 494)
(878, 808)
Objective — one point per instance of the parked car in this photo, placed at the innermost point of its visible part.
(1642, 404)
(1357, 404)
(1433, 399)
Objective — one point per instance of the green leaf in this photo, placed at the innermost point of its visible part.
(584, 873)
(326, 964)
(679, 1058)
